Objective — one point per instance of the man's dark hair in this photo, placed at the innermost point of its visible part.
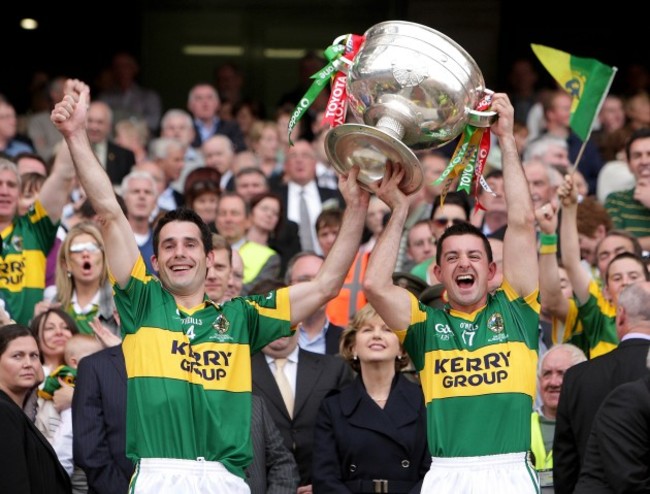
(628, 255)
(456, 198)
(463, 229)
(641, 133)
(183, 214)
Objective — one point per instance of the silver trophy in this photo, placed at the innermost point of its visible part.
(410, 87)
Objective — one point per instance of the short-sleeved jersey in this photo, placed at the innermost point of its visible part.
(598, 318)
(26, 243)
(478, 373)
(189, 370)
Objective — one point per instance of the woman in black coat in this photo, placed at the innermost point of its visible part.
(28, 464)
(371, 436)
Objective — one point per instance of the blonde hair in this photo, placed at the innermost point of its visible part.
(79, 346)
(349, 337)
(64, 283)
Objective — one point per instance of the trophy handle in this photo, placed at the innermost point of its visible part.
(481, 118)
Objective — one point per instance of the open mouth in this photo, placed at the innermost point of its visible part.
(86, 266)
(465, 280)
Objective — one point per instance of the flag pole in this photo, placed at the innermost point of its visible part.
(600, 105)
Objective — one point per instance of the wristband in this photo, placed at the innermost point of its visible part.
(548, 243)
(548, 239)
(548, 249)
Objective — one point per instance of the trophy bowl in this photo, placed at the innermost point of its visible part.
(410, 87)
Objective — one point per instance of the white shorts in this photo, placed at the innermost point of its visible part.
(163, 475)
(511, 473)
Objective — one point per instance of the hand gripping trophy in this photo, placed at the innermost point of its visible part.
(407, 87)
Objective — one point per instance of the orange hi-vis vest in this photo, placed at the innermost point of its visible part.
(341, 309)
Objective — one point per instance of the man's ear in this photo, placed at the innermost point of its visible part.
(154, 262)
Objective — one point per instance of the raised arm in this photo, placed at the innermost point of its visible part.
(393, 303)
(69, 116)
(307, 297)
(550, 290)
(520, 242)
(569, 242)
(56, 188)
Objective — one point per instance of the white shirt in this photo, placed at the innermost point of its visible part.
(166, 200)
(314, 206)
(290, 368)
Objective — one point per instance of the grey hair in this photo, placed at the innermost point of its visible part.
(138, 174)
(176, 112)
(635, 299)
(538, 148)
(9, 165)
(159, 148)
(576, 355)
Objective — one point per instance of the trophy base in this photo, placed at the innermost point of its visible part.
(370, 148)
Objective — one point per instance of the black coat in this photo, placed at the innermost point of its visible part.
(358, 441)
(28, 464)
(99, 422)
(317, 375)
(584, 388)
(618, 451)
(119, 162)
(227, 128)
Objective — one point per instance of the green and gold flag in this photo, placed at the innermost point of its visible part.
(586, 79)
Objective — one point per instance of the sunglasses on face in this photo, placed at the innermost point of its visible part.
(85, 246)
(447, 221)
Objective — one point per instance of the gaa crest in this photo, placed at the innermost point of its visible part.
(495, 323)
(221, 325)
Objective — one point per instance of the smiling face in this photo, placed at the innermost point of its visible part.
(181, 261)
(20, 366)
(465, 271)
(53, 333)
(375, 343)
(551, 377)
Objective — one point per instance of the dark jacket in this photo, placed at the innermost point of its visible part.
(273, 470)
(28, 464)
(359, 442)
(584, 388)
(317, 375)
(618, 451)
(99, 422)
(119, 162)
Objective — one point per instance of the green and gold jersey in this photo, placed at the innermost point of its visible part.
(478, 373)
(26, 243)
(189, 370)
(598, 318)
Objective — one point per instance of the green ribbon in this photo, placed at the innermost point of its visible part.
(321, 78)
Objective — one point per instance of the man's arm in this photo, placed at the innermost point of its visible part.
(307, 297)
(69, 116)
(570, 244)
(520, 243)
(392, 303)
(550, 291)
(56, 188)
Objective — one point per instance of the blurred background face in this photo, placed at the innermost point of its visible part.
(326, 236)
(173, 163)
(236, 278)
(300, 163)
(98, 122)
(218, 153)
(609, 248)
(266, 214)
(8, 121)
(249, 185)
(216, 281)
(178, 127)
(204, 102)
(205, 206)
(421, 243)
(232, 221)
(140, 197)
(445, 216)
(53, 335)
(377, 209)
